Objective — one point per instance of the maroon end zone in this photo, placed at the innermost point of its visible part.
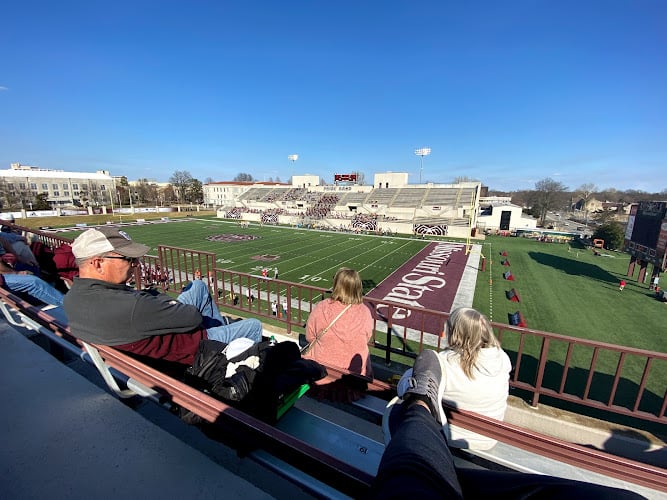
(429, 280)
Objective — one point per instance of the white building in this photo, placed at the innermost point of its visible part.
(306, 181)
(390, 180)
(20, 184)
(222, 194)
(503, 216)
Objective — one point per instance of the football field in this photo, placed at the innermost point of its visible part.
(301, 255)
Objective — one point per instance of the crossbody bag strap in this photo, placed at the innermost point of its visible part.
(321, 334)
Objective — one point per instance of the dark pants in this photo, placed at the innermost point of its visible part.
(417, 464)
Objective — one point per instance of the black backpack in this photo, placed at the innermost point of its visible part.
(268, 376)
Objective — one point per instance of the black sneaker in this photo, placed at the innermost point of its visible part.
(427, 383)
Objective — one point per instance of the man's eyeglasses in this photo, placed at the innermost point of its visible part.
(121, 257)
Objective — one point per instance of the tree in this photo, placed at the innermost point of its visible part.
(84, 194)
(145, 191)
(612, 234)
(586, 191)
(167, 195)
(12, 199)
(547, 195)
(195, 192)
(181, 180)
(361, 178)
(464, 178)
(209, 180)
(41, 202)
(243, 178)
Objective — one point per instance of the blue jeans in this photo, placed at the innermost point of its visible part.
(33, 286)
(196, 294)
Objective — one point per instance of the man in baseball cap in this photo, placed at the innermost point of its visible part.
(102, 309)
(104, 240)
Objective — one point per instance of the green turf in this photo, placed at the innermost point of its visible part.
(568, 290)
(308, 257)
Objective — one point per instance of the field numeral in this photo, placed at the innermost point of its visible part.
(308, 277)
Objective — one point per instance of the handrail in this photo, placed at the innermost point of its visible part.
(331, 470)
(534, 353)
(562, 451)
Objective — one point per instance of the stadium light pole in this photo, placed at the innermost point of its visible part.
(421, 152)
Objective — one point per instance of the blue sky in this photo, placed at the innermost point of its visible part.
(507, 92)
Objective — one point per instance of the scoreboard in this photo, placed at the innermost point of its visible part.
(646, 233)
(345, 177)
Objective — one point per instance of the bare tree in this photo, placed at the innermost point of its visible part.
(167, 195)
(181, 180)
(145, 191)
(209, 180)
(242, 177)
(548, 194)
(464, 178)
(586, 191)
(361, 178)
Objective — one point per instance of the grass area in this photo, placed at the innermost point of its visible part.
(568, 290)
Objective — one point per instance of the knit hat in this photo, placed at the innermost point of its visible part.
(106, 239)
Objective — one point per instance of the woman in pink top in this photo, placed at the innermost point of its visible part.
(345, 343)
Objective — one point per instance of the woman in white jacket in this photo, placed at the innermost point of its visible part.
(476, 372)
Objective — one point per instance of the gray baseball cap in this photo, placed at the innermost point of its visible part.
(101, 240)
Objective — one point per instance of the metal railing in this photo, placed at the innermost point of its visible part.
(544, 364)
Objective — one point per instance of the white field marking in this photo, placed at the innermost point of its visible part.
(330, 269)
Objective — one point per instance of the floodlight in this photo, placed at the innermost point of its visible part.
(421, 152)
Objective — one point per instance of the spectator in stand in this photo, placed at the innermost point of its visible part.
(65, 263)
(102, 309)
(26, 283)
(417, 463)
(476, 374)
(16, 244)
(340, 327)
